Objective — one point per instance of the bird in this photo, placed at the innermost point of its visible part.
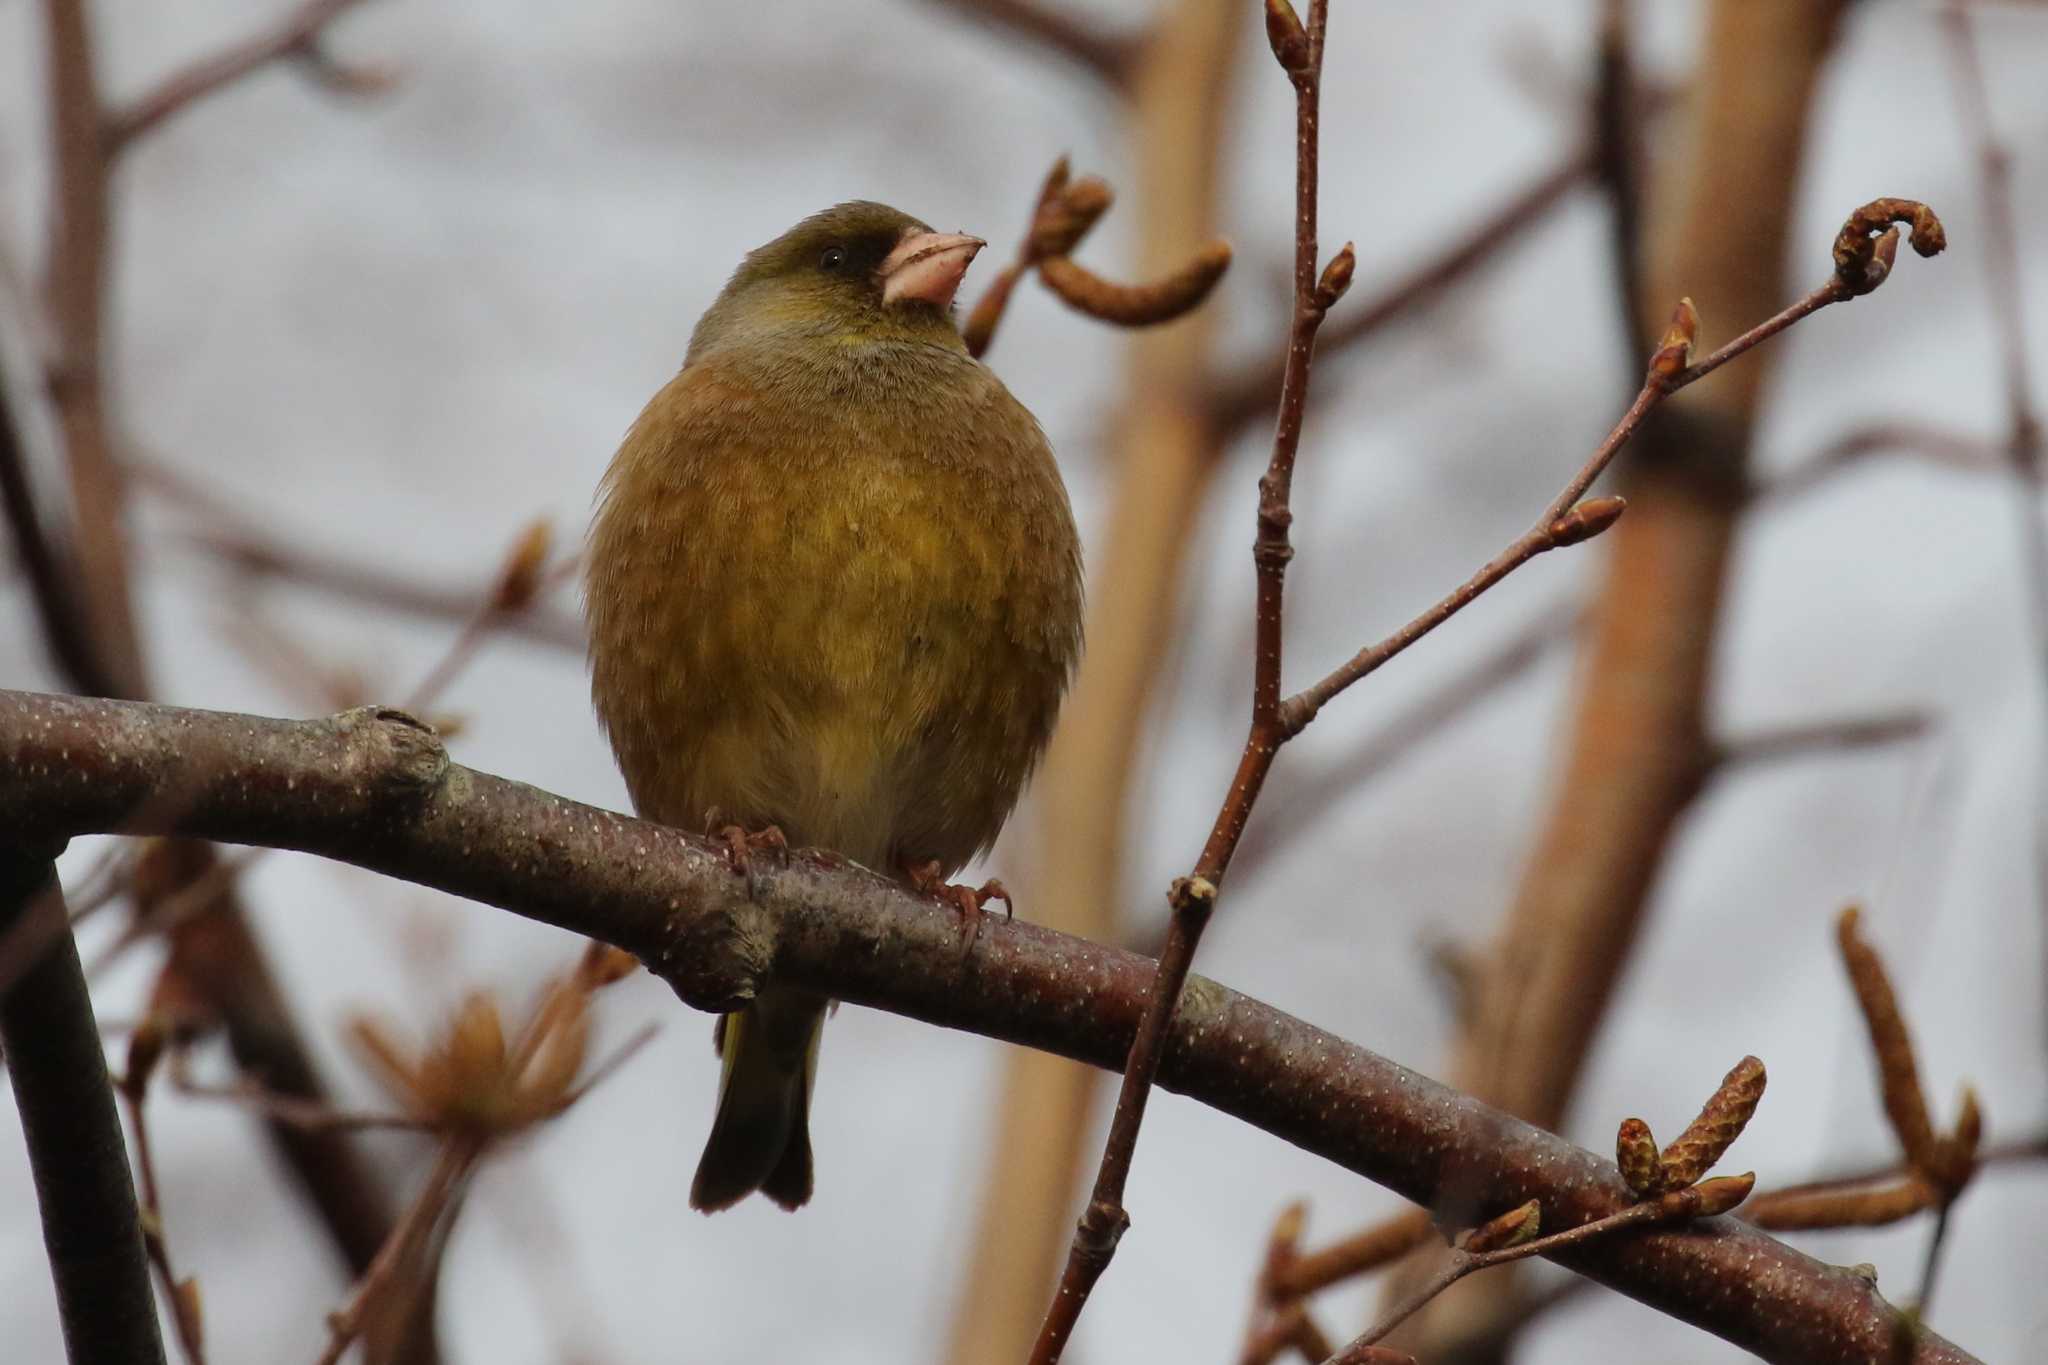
(834, 597)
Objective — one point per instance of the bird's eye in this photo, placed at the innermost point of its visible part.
(834, 257)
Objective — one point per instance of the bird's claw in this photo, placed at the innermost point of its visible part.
(968, 901)
(741, 845)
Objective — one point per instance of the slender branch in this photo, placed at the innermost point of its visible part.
(296, 35)
(311, 1115)
(376, 790)
(2021, 1151)
(1364, 1251)
(52, 581)
(1178, 114)
(1554, 527)
(1617, 144)
(1102, 1224)
(414, 1231)
(76, 286)
(232, 537)
(1802, 740)
(1297, 810)
(2024, 436)
(1950, 449)
(1717, 1195)
(145, 1049)
(1107, 58)
(91, 1223)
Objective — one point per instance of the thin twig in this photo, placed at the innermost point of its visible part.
(231, 535)
(182, 1294)
(311, 1115)
(52, 579)
(2024, 441)
(1361, 1253)
(297, 35)
(1300, 52)
(1713, 1196)
(1802, 740)
(1949, 449)
(1617, 144)
(2024, 1150)
(1298, 809)
(1107, 58)
(415, 1228)
(1552, 528)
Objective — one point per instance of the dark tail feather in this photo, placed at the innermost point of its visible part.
(789, 1184)
(760, 1139)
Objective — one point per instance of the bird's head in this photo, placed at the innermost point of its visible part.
(857, 270)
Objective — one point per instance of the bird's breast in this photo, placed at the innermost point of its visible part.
(854, 619)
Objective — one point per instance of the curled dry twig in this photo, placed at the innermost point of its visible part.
(1136, 305)
(1066, 210)
(1868, 244)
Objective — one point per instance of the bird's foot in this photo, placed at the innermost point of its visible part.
(742, 844)
(925, 877)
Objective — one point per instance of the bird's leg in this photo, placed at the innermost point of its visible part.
(741, 844)
(925, 877)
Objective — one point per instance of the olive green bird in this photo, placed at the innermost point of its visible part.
(833, 588)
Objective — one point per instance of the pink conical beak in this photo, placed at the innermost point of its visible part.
(927, 266)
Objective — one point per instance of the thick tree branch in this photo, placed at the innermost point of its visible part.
(377, 790)
(91, 1223)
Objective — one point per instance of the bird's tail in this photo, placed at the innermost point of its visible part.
(760, 1139)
